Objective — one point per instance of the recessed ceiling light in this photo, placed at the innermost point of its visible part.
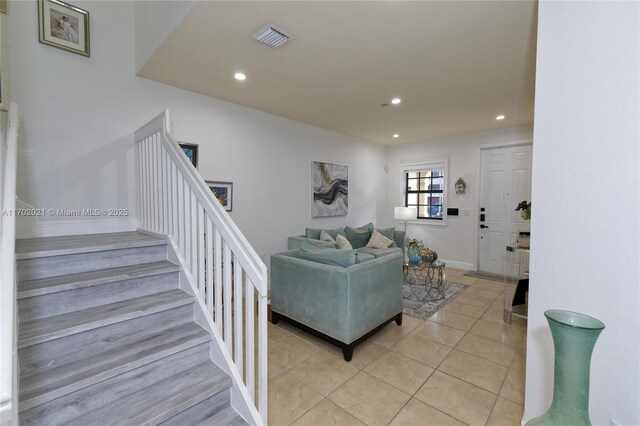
(240, 76)
(396, 101)
(395, 135)
(500, 117)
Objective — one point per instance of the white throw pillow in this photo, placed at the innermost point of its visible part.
(378, 240)
(343, 243)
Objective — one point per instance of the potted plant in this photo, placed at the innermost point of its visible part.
(524, 207)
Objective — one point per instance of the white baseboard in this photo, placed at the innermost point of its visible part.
(459, 265)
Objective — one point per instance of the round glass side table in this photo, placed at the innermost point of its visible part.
(435, 279)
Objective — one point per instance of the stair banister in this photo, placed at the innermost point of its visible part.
(223, 268)
(8, 312)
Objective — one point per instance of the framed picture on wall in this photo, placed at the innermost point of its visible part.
(64, 26)
(223, 192)
(191, 151)
(330, 191)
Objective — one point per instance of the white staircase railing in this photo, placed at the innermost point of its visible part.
(8, 311)
(224, 269)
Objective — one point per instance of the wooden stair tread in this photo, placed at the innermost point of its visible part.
(41, 286)
(51, 383)
(54, 327)
(60, 410)
(71, 244)
(210, 412)
(160, 401)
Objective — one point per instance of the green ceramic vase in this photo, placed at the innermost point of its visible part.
(574, 336)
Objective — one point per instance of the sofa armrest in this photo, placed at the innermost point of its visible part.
(311, 293)
(399, 238)
(375, 294)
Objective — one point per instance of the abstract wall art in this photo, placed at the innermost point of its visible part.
(191, 151)
(223, 192)
(330, 189)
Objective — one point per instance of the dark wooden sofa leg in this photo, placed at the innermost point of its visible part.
(347, 352)
(274, 318)
(398, 319)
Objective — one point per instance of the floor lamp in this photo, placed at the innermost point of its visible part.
(404, 214)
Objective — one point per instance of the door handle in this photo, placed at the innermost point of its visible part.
(484, 226)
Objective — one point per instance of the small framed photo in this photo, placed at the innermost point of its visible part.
(64, 26)
(191, 151)
(223, 191)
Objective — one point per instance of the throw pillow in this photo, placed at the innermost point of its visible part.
(359, 237)
(324, 236)
(314, 234)
(335, 232)
(343, 243)
(389, 233)
(369, 226)
(379, 241)
(328, 256)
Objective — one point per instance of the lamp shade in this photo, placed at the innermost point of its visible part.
(405, 213)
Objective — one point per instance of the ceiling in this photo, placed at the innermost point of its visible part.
(455, 65)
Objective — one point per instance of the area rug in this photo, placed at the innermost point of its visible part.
(417, 305)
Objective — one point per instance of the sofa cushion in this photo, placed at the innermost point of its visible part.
(359, 237)
(324, 236)
(343, 243)
(318, 243)
(378, 240)
(314, 233)
(364, 257)
(329, 256)
(379, 252)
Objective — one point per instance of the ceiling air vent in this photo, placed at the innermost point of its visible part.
(272, 36)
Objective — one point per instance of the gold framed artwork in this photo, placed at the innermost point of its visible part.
(64, 26)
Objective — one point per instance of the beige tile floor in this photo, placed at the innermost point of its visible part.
(462, 366)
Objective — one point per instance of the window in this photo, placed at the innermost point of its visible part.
(425, 190)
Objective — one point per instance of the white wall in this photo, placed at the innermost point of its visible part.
(154, 21)
(585, 229)
(78, 115)
(457, 241)
(4, 60)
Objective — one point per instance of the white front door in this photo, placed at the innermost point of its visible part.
(505, 180)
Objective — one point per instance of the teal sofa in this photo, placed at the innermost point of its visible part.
(343, 305)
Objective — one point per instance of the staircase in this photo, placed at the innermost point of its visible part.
(106, 337)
